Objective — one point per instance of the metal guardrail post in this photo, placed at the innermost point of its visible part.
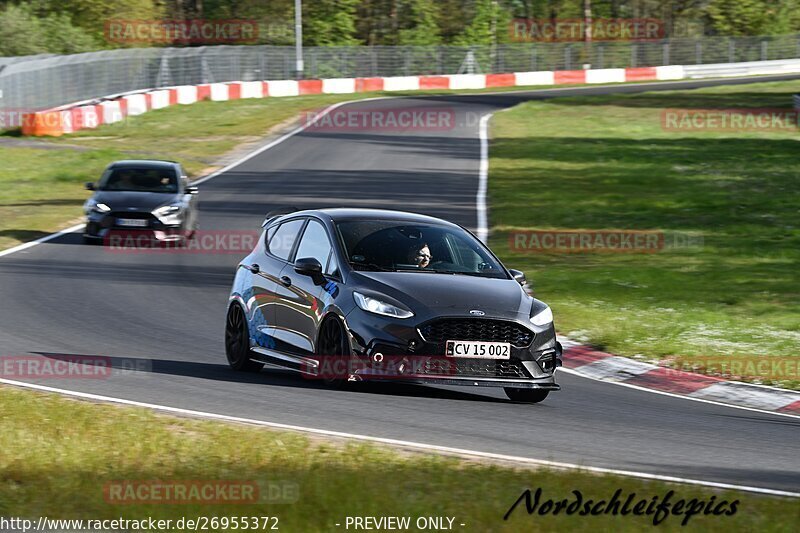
(665, 53)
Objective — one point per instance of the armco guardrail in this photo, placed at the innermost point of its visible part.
(751, 68)
(90, 114)
(43, 82)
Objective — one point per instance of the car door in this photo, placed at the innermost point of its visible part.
(267, 266)
(301, 305)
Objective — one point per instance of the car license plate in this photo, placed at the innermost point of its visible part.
(132, 222)
(479, 350)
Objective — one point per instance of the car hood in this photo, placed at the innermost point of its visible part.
(450, 295)
(140, 201)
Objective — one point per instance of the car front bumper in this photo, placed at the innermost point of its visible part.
(106, 227)
(415, 359)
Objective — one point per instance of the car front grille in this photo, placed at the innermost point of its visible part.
(473, 368)
(476, 329)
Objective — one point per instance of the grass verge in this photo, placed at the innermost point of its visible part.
(606, 163)
(40, 179)
(60, 457)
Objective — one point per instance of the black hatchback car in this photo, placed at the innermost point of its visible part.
(360, 294)
(148, 198)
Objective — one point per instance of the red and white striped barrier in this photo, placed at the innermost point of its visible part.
(74, 117)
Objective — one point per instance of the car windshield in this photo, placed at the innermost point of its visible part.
(140, 179)
(386, 245)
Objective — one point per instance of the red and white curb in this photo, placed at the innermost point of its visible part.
(108, 110)
(588, 362)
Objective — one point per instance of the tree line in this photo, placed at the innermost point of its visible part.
(55, 26)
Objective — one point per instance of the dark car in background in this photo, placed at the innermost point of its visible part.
(148, 197)
(361, 294)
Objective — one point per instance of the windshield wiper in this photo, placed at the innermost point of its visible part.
(461, 273)
(371, 266)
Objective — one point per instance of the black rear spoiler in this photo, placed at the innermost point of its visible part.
(275, 213)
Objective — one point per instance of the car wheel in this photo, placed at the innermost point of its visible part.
(333, 343)
(237, 342)
(526, 395)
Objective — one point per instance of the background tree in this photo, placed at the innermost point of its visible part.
(330, 22)
(489, 25)
(421, 18)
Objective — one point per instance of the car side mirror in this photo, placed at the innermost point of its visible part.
(89, 186)
(519, 276)
(308, 266)
(192, 190)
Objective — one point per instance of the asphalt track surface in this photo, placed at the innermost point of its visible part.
(166, 312)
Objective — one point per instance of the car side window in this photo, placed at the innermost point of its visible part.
(332, 269)
(281, 243)
(315, 243)
(466, 255)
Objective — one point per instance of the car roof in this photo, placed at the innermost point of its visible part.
(340, 214)
(139, 163)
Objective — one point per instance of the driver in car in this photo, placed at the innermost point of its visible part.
(420, 255)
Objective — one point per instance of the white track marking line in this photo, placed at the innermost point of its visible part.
(481, 198)
(483, 178)
(574, 372)
(484, 132)
(31, 244)
(283, 138)
(407, 444)
(214, 174)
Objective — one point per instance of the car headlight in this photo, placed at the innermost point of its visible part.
(380, 308)
(169, 215)
(92, 205)
(543, 317)
(167, 210)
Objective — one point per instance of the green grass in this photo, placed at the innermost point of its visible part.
(41, 189)
(606, 163)
(58, 454)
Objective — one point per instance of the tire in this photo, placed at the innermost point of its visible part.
(237, 342)
(526, 395)
(333, 342)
